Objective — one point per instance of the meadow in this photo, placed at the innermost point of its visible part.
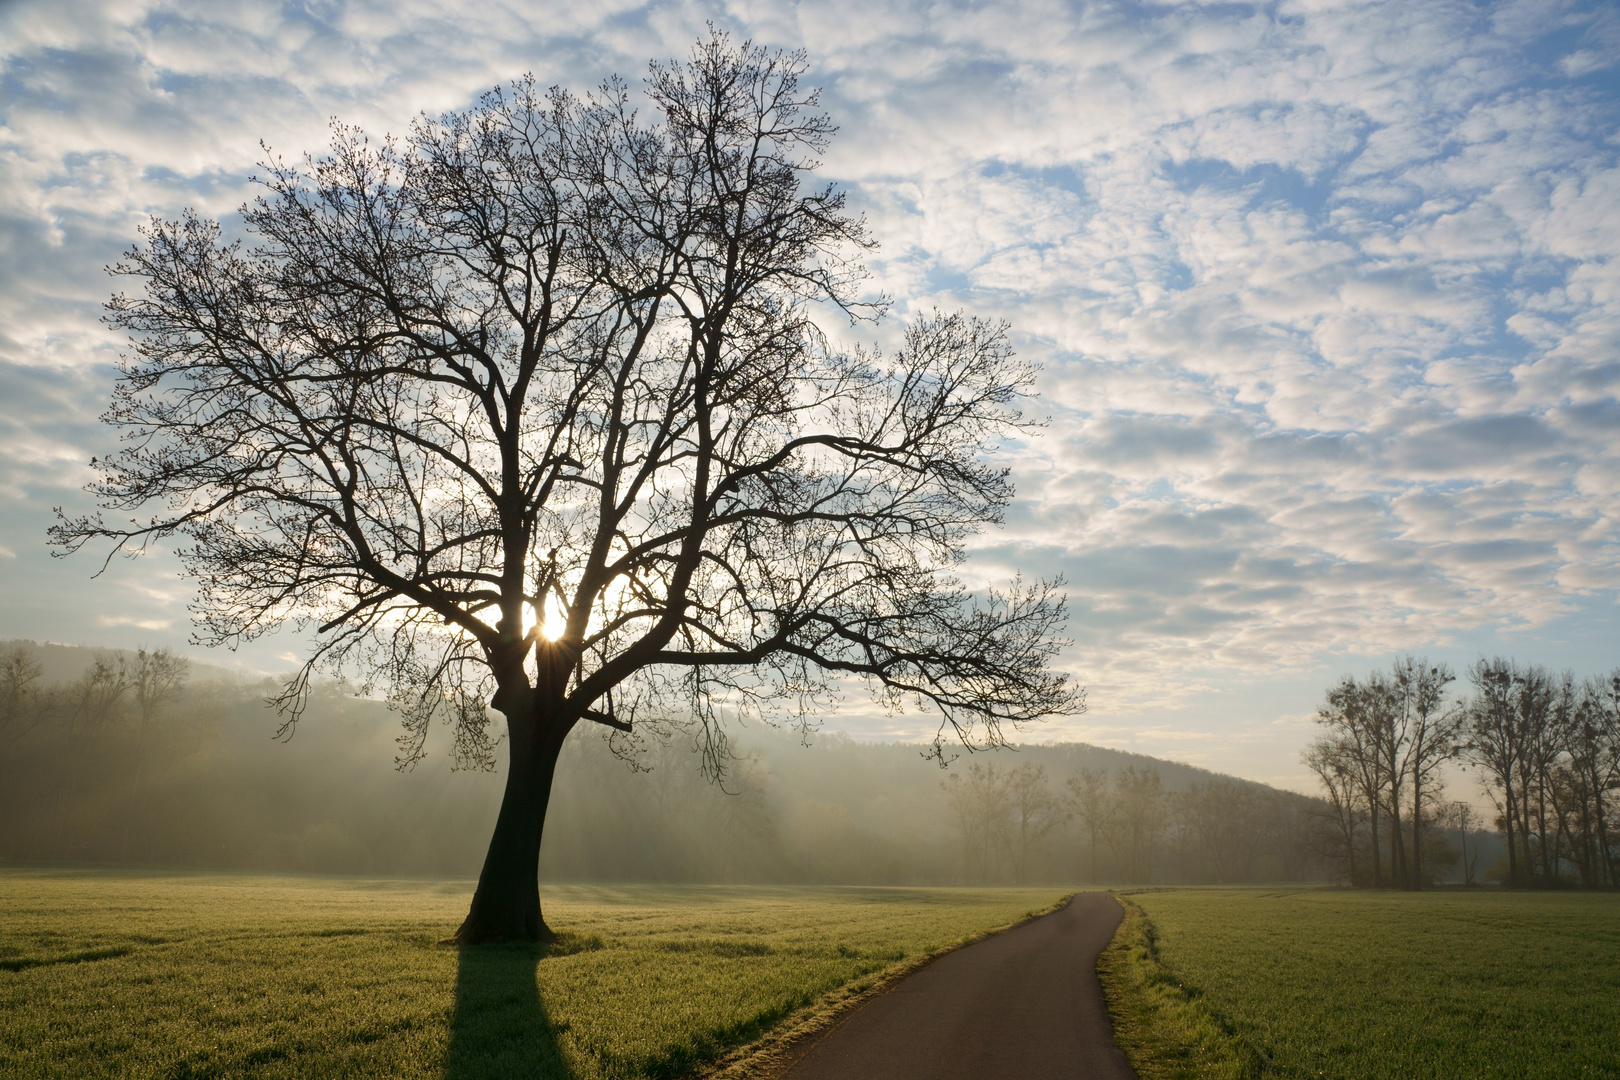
(1231, 983)
(183, 976)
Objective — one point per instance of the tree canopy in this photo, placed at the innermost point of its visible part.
(539, 407)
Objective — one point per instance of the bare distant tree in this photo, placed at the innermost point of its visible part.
(1089, 802)
(158, 679)
(1496, 744)
(981, 802)
(1595, 750)
(1141, 813)
(1038, 812)
(1460, 816)
(19, 705)
(1433, 737)
(534, 409)
(1354, 718)
(1332, 760)
(98, 695)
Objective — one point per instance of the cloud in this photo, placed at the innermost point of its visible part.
(141, 624)
(1326, 295)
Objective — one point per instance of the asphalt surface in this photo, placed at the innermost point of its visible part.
(1023, 1005)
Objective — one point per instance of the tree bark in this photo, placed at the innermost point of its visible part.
(1606, 863)
(506, 904)
(1377, 853)
(1417, 831)
(1397, 842)
(1511, 823)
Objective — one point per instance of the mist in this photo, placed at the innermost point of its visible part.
(201, 783)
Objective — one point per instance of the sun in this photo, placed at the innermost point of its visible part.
(556, 620)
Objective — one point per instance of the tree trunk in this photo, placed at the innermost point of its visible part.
(1377, 852)
(1417, 831)
(1606, 863)
(506, 904)
(1511, 823)
(1397, 843)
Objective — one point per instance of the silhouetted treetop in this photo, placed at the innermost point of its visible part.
(535, 407)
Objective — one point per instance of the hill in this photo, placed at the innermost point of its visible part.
(203, 785)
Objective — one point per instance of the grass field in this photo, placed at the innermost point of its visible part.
(105, 975)
(1335, 984)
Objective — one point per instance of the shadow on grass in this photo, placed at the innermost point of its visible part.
(500, 1028)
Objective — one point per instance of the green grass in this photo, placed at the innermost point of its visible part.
(1166, 1031)
(206, 975)
(1326, 983)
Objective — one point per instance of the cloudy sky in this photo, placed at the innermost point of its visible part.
(1326, 296)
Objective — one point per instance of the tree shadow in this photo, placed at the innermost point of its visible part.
(500, 1027)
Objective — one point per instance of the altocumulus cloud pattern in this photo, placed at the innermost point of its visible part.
(1326, 293)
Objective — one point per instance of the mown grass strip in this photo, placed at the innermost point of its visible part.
(1161, 1023)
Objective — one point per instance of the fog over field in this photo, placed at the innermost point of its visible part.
(200, 784)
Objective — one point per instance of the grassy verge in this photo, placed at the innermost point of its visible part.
(106, 975)
(1160, 1023)
(1355, 986)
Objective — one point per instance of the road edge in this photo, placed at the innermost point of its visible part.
(776, 1051)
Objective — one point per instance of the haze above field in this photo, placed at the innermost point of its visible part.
(1326, 300)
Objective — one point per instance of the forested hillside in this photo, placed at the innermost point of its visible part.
(97, 766)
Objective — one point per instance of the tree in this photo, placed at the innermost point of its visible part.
(981, 802)
(96, 697)
(1332, 760)
(533, 409)
(1353, 719)
(1460, 815)
(1037, 811)
(1496, 743)
(1382, 705)
(158, 678)
(1088, 801)
(1597, 761)
(1139, 799)
(19, 707)
(1432, 737)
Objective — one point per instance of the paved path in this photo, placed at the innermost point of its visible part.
(1023, 1005)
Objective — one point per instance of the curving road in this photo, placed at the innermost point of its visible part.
(1023, 1005)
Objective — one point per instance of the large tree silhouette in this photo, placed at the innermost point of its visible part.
(531, 409)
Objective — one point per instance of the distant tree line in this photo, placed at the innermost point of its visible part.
(1124, 826)
(113, 687)
(134, 759)
(1545, 746)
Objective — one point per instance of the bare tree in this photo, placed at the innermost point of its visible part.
(1496, 742)
(533, 408)
(97, 696)
(1354, 723)
(1332, 760)
(1460, 815)
(1037, 810)
(1596, 753)
(19, 705)
(1432, 738)
(1382, 705)
(158, 679)
(1139, 798)
(981, 802)
(1089, 801)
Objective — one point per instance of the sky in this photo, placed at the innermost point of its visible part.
(1326, 298)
